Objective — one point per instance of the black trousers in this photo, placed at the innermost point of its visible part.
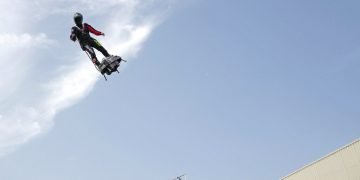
(93, 43)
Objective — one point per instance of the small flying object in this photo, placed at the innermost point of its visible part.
(179, 177)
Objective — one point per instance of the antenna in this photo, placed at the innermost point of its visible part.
(182, 177)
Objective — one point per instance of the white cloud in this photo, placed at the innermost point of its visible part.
(71, 86)
(24, 40)
(130, 23)
(136, 36)
(15, 53)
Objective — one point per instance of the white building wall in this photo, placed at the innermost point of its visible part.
(343, 164)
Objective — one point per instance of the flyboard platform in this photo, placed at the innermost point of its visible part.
(109, 65)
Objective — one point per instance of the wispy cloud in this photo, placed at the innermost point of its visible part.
(24, 40)
(15, 53)
(129, 25)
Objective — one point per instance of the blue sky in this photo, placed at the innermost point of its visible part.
(216, 90)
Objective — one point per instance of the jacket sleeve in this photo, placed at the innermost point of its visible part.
(93, 30)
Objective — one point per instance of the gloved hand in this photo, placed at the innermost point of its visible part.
(73, 37)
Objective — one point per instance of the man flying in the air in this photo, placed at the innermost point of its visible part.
(81, 31)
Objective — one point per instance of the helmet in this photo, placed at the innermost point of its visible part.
(78, 19)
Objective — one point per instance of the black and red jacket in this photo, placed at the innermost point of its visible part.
(82, 34)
